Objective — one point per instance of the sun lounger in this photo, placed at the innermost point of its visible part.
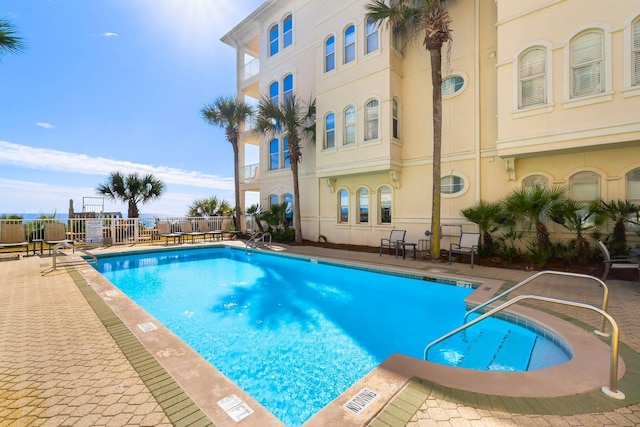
(13, 235)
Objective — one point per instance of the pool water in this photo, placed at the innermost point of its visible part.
(297, 334)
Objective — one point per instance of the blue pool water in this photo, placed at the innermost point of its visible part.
(296, 334)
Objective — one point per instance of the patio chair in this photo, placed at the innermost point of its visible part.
(203, 227)
(13, 235)
(54, 233)
(187, 230)
(616, 262)
(468, 245)
(164, 230)
(226, 229)
(396, 239)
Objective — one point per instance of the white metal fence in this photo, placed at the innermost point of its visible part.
(111, 231)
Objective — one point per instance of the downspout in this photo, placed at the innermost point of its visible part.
(476, 71)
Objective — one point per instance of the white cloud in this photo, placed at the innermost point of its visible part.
(45, 125)
(47, 159)
(110, 34)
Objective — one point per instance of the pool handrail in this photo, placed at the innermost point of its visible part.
(605, 299)
(256, 238)
(610, 391)
(75, 248)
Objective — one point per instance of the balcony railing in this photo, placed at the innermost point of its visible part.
(251, 172)
(250, 69)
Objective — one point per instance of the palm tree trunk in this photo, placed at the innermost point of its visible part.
(297, 227)
(236, 176)
(436, 82)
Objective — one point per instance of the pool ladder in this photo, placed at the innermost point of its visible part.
(256, 239)
(75, 248)
(610, 391)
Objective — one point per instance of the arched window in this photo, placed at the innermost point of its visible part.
(287, 87)
(273, 40)
(635, 59)
(395, 120)
(287, 31)
(384, 201)
(535, 181)
(330, 54)
(533, 77)
(274, 90)
(585, 186)
(371, 36)
(363, 205)
(285, 153)
(371, 120)
(274, 154)
(452, 184)
(451, 85)
(288, 209)
(633, 186)
(273, 200)
(350, 125)
(343, 202)
(329, 130)
(587, 63)
(349, 44)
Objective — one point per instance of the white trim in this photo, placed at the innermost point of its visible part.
(628, 47)
(539, 108)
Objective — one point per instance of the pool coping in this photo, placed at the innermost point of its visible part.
(206, 385)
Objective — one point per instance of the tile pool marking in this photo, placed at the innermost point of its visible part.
(235, 408)
(147, 327)
(361, 401)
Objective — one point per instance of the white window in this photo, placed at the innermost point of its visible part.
(384, 201)
(273, 200)
(343, 202)
(372, 42)
(330, 54)
(535, 181)
(274, 154)
(350, 125)
(451, 184)
(451, 85)
(587, 64)
(287, 88)
(287, 31)
(329, 130)
(532, 77)
(371, 120)
(633, 186)
(395, 120)
(585, 186)
(273, 40)
(274, 90)
(349, 44)
(363, 205)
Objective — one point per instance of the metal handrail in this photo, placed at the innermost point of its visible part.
(75, 248)
(610, 391)
(605, 300)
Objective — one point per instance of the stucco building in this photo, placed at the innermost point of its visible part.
(535, 92)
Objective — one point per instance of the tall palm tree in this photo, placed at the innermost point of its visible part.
(428, 20)
(619, 212)
(294, 120)
(132, 189)
(9, 41)
(229, 113)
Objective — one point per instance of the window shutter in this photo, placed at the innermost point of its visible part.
(586, 63)
(533, 69)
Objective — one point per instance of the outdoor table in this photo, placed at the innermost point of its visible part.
(403, 245)
(34, 241)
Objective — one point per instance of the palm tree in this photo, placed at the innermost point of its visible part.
(429, 20)
(531, 204)
(132, 189)
(9, 41)
(489, 216)
(293, 120)
(571, 215)
(209, 207)
(229, 113)
(619, 212)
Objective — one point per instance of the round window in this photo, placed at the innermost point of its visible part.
(451, 184)
(452, 85)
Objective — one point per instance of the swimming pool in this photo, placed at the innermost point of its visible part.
(289, 331)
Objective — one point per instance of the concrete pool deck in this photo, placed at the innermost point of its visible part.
(67, 359)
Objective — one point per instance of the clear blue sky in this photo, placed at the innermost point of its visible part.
(108, 85)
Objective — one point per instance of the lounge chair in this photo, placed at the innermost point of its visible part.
(616, 262)
(203, 226)
(13, 235)
(54, 233)
(468, 245)
(164, 230)
(187, 230)
(226, 229)
(395, 240)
